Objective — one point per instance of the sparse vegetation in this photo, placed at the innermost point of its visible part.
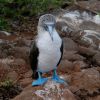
(6, 84)
(99, 13)
(18, 9)
(8, 89)
(3, 24)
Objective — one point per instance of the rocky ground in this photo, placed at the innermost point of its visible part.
(80, 65)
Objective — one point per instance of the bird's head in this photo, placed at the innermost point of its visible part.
(47, 23)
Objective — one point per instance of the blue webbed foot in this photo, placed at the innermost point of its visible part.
(56, 78)
(39, 81)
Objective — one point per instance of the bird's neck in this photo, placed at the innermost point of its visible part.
(42, 32)
(56, 35)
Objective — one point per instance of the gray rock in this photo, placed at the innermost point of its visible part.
(65, 66)
(87, 51)
(21, 52)
(72, 56)
(51, 90)
(87, 80)
(96, 58)
(70, 45)
(82, 64)
(12, 75)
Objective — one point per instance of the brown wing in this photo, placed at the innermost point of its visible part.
(61, 49)
(33, 57)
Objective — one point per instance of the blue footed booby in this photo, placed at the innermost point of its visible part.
(46, 51)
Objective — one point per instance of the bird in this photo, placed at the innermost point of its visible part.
(46, 50)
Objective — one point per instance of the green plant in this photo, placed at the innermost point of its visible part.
(99, 13)
(6, 84)
(19, 9)
(9, 90)
(11, 8)
(3, 24)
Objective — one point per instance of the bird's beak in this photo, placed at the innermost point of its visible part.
(50, 29)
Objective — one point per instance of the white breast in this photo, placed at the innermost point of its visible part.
(49, 51)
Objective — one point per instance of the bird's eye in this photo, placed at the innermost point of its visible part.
(53, 25)
(45, 27)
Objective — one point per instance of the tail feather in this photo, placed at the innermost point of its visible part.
(35, 75)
